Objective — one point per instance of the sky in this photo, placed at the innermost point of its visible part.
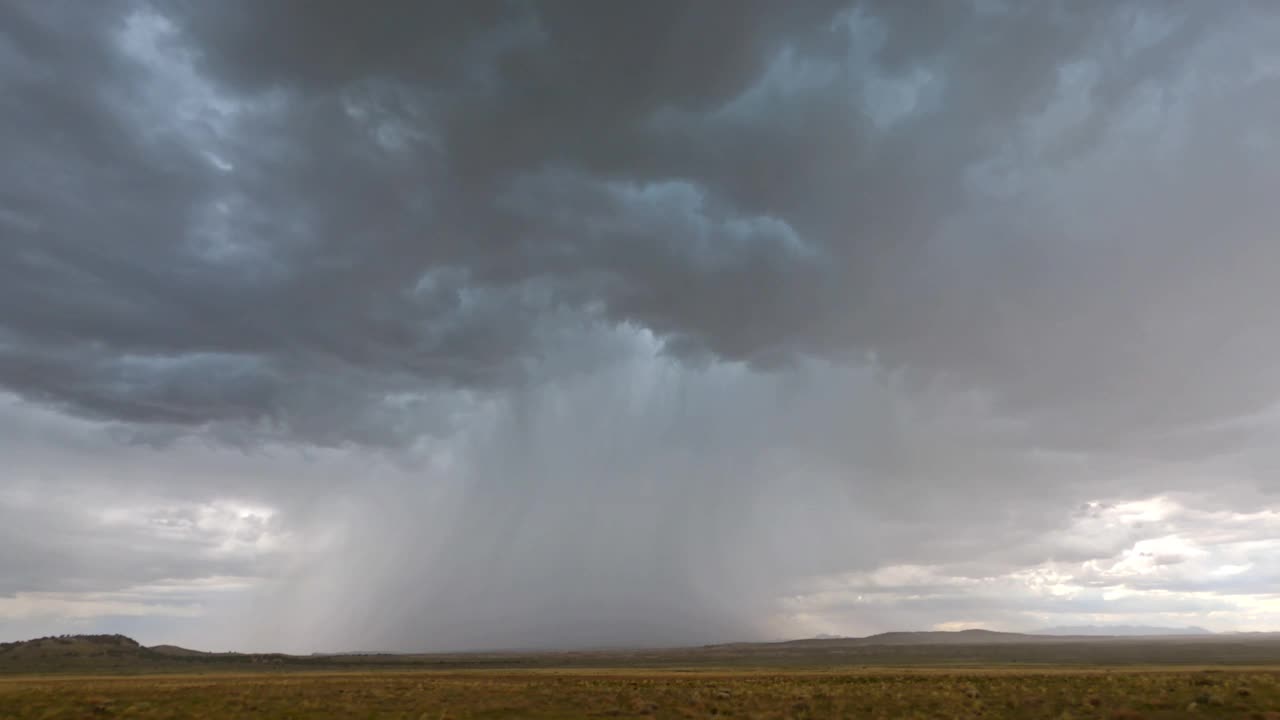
(437, 326)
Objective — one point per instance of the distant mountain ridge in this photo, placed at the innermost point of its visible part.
(930, 637)
(1122, 630)
(117, 653)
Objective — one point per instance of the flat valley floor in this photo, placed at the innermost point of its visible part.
(880, 692)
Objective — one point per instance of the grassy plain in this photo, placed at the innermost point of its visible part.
(857, 692)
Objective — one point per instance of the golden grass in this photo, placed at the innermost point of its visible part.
(668, 693)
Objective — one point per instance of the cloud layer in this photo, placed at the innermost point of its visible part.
(515, 324)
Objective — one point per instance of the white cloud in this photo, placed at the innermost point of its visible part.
(1183, 567)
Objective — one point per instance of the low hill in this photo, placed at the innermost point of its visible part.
(175, 651)
(1122, 630)
(74, 650)
(115, 653)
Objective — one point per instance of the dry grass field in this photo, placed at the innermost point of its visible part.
(657, 693)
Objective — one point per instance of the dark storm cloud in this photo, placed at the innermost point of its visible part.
(410, 192)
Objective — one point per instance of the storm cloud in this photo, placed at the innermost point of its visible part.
(496, 324)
